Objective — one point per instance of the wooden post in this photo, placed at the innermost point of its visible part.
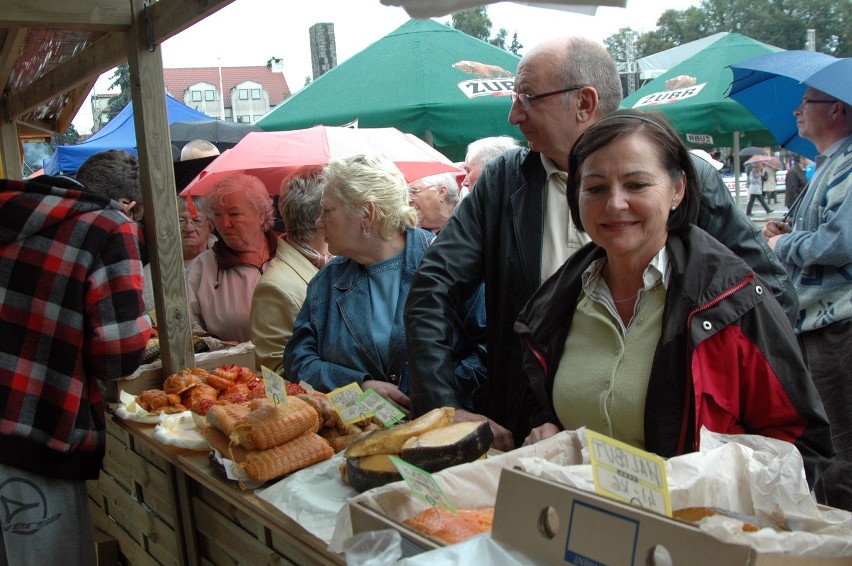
(159, 196)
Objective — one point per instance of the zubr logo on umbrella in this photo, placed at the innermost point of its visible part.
(24, 507)
(679, 92)
(491, 80)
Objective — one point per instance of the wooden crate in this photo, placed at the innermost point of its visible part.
(228, 537)
(134, 500)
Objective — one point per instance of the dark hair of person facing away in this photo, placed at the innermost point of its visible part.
(673, 156)
(113, 173)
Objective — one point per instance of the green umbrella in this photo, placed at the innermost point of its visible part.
(692, 96)
(424, 78)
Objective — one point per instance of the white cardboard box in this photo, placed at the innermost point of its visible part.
(558, 524)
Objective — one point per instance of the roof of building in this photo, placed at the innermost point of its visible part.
(179, 79)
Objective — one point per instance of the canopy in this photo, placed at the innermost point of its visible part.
(692, 96)
(424, 78)
(119, 133)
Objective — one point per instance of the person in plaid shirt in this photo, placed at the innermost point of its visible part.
(71, 314)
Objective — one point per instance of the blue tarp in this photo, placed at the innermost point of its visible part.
(119, 133)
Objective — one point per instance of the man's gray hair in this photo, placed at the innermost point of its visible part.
(483, 150)
(447, 180)
(587, 62)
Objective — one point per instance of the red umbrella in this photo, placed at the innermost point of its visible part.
(272, 156)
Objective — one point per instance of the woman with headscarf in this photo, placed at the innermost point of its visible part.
(221, 280)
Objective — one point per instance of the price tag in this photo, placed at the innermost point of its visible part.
(345, 401)
(423, 485)
(376, 405)
(629, 474)
(276, 389)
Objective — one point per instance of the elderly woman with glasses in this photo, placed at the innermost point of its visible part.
(196, 228)
(351, 327)
(654, 329)
(221, 280)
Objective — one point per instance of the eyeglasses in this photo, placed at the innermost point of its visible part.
(414, 191)
(526, 100)
(196, 222)
(808, 101)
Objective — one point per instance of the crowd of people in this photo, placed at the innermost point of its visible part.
(599, 276)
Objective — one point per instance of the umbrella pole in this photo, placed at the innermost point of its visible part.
(736, 150)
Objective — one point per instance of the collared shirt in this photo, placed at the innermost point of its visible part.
(594, 286)
(560, 238)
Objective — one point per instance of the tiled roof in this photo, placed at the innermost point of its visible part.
(178, 80)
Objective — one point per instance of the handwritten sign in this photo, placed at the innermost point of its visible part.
(276, 389)
(626, 473)
(345, 401)
(423, 485)
(376, 405)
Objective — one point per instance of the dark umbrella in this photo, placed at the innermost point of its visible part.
(772, 86)
(223, 135)
(749, 151)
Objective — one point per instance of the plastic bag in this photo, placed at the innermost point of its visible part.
(373, 548)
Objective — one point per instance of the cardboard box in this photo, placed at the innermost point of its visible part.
(558, 524)
(151, 376)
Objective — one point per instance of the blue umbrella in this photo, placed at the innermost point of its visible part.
(771, 86)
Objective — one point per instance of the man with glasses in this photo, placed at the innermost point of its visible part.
(434, 198)
(514, 231)
(817, 250)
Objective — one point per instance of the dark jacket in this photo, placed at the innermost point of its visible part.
(495, 237)
(71, 314)
(727, 359)
(793, 184)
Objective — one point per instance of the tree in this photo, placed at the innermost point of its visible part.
(515, 45)
(70, 137)
(474, 22)
(121, 79)
(782, 23)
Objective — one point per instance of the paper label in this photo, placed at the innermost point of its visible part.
(345, 401)
(381, 408)
(423, 485)
(276, 389)
(628, 474)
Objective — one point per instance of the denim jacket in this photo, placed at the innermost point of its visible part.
(332, 342)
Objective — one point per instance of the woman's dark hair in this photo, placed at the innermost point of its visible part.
(673, 155)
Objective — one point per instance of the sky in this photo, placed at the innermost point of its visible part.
(250, 32)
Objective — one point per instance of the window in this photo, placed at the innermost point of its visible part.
(242, 119)
(209, 95)
(196, 96)
(243, 94)
(255, 94)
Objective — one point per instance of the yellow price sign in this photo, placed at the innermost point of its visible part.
(628, 474)
(276, 389)
(345, 401)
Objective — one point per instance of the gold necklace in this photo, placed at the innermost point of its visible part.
(625, 300)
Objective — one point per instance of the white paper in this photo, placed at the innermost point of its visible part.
(179, 430)
(129, 410)
(312, 496)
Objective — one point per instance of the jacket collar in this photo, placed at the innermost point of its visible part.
(227, 257)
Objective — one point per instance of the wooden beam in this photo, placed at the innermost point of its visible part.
(168, 17)
(10, 151)
(89, 15)
(10, 51)
(159, 197)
